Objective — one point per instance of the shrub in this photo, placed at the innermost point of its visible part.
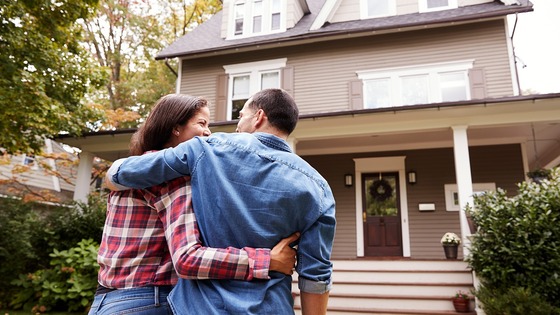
(515, 301)
(517, 245)
(69, 284)
(30, 232)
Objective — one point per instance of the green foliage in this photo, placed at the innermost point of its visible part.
(69, 284)
(30, 232)
(515, 301)
(44, 73)
(517, 245)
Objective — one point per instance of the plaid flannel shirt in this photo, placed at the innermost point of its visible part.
(149, 231)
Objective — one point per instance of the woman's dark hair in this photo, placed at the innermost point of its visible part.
(168, 112)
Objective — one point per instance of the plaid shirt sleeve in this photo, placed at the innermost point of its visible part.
(192, 260)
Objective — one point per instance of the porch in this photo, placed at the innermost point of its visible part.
(395, 287)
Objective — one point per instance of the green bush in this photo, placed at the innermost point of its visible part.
(30, 232)
(69, 284)
(515, 301)
(517, 245)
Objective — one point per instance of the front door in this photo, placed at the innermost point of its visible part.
(381, 214)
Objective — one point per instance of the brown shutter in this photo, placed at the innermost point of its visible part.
(288, 80)
(478, 83)
(356, 100)
(220, 109)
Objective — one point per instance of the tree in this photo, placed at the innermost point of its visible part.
(44, 73)
(125, 36)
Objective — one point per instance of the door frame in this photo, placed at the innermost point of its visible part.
(382, 164)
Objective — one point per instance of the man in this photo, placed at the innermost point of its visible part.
(249, 189)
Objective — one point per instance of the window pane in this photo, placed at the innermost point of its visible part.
(414, 89)
(376, 93)
(275, 23)
(257, 24)
(377, 7)
(270, 80)
(437, 3)
(236, 107)
(275, 5)
(240, 87)
(453, 86)
(239, 15)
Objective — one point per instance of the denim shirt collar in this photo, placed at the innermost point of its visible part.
(272, 141)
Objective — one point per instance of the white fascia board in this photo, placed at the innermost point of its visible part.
(324, 14)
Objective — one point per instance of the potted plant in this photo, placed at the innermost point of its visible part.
(461, 301)
(450, 242)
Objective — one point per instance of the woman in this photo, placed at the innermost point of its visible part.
(151, 236)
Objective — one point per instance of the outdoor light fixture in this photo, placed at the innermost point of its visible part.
(348, 180)
(412, 177)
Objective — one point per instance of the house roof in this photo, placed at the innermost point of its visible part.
(206, 38)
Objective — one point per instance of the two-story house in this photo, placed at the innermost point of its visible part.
(408, 108)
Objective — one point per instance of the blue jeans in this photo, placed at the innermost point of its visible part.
(138, 301)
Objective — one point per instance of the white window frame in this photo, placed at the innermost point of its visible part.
(33, 161)
(451, 194)
(364, 10)
(432, 70)
(254, 70)
(266, 19)
(423, 6)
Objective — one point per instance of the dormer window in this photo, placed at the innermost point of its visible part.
(437, 5)
(257, 17)
(377, 8)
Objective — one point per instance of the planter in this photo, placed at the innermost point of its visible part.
(462, 305)
(450, 251)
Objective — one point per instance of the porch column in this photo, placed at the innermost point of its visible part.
(81, 190)
(292, 143)
(464, 179)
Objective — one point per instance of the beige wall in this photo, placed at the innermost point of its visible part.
(322, 71)
(434, 168)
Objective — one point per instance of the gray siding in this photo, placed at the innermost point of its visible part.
(349, 10)
(434, 168)
(322, 71)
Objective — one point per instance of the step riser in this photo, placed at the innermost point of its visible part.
(393, 290)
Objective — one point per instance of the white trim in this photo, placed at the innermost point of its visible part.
(271, 64)
(179, 76)
(423, 6)
(511, 60)
(381, 164)
(451, 190)
(52, 163)
(324, 14)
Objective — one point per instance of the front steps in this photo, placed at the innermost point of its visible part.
(395, 287)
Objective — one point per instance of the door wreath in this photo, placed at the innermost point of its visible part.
(381, 190)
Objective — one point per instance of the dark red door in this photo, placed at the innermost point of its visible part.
(381, 214)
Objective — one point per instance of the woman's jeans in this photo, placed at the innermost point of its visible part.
(142, 301)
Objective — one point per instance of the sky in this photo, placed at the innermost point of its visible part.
(537, 46)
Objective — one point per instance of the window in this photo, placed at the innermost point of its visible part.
(248, 78)
(436, 5)
(377, 8)
(424, 84)
(452, 196)
(29, 161)
(257, 17)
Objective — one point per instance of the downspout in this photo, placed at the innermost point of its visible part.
(515, 57)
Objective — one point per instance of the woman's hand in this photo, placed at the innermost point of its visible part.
(283, 257)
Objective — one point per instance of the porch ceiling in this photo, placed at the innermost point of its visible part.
(532, 122)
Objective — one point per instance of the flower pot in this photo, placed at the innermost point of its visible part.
(461, 305)
(450, 251)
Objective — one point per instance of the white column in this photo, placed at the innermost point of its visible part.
(81, 190)
(464, 179)
(292, 143)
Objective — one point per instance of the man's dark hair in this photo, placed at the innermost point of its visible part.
(279, 107)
